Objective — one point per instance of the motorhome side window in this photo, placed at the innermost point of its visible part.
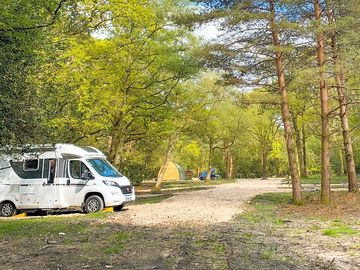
(77, 168)
(31, 165)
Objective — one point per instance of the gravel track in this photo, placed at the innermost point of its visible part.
(203, 207)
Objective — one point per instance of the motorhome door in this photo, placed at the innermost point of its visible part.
(76, 188)
(48, 192)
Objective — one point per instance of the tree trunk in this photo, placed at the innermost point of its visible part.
(304, 151)
(161, 173)
(299, 147)
(350, 164)
(341, 171)
(264, 161)
(340, 87)
(116, 146)
(211, 150)
(295, 179)
(228, 160)
(229, 164)
(112, 147)
(324, 98)
(169, 150)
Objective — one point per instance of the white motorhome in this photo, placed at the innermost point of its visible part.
(61, 176)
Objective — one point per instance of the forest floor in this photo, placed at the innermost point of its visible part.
(214, 228)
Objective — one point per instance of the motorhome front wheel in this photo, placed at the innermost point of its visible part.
(93, 204)
(7, 209)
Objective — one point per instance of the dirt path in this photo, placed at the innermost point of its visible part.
(204, 207)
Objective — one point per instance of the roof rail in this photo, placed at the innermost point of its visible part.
(27, 148)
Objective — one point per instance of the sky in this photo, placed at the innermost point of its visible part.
(208, 31)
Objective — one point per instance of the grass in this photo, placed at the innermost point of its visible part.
(266, 208)
(188, 185)
(272, 199)
(28, 227)
(151, 199)
(117, 243)
(185, 184)
(185, 189)
(96, 215)
(272, 208)
(192, 183)
(267, 254)
(339, 228)
(316, 179)
(171, 186)
(213, 248)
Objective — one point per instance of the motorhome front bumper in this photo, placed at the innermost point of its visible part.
(121, 195)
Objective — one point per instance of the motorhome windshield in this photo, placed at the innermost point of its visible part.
(104, 168)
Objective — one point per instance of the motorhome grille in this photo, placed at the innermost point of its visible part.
(126, 189)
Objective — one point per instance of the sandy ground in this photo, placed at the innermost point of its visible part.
(204, 207)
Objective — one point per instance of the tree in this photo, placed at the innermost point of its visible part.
(285, 107)
(342, 97)
(324, 98)
(252, 55)
(116, 89)
(264, 129)
(23, 25)
(26, 27)
(194, 112)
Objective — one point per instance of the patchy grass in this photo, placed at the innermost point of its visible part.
(338, 228)
(97, 215)
(28, 227)
(320, 229)
(275, 208)
(343, 204)
(196, 183)
(181, 185)
(266, 208)
(47, 226)
(273, 199)
(116, 243)
(212, 248)
(185, 189)
(169, 187)
(267, 254)
(316, 179)
(151, 199)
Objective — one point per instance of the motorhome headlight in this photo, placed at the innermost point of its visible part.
(110, 183)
